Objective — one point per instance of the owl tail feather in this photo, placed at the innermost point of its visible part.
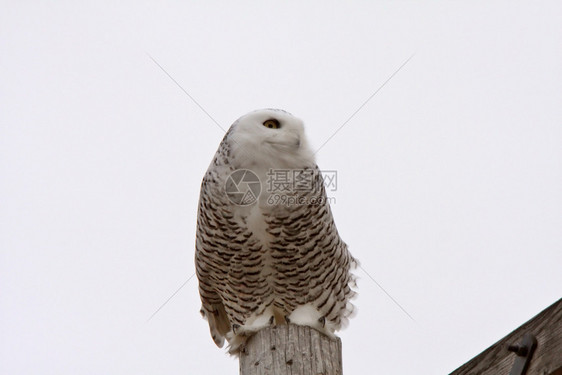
(218, 323)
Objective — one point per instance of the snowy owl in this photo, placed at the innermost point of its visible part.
(267, 249)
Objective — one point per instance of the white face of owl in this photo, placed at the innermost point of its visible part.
(270, 138)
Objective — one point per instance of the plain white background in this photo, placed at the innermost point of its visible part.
(449, 178)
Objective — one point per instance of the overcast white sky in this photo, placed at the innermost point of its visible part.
(449, 178)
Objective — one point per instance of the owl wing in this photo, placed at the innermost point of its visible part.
(227, 255)
(313, 264)
(208, 265)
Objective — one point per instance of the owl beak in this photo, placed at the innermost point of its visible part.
(285, 142)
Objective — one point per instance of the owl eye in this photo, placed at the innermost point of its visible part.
(272, 124)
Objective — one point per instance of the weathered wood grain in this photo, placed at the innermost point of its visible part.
(547, 359)
(291, 349)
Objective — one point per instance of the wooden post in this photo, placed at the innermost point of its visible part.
(291, 349)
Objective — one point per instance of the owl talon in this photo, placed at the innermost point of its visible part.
(287, 319)
(272, 320)
(235, 328)
(322, 321)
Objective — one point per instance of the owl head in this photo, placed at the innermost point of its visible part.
(270, 138)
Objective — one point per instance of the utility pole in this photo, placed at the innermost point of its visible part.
(291, 349)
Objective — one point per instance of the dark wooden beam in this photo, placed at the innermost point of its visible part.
(546, 360)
